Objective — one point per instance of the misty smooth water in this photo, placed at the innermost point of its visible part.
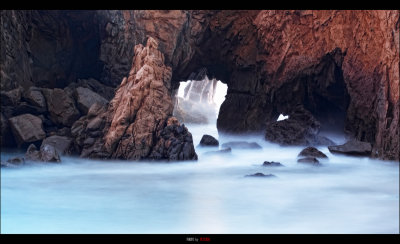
(211, 195)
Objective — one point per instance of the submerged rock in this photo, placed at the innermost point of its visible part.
(13, 162)
(309, 160)
(353, 147)
(312, 152)
(260, 175)
(47, 153)
(272, 163)
(222, 151)
(242, 145)
(208, 140)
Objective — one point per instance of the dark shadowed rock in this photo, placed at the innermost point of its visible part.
(61, 107)
(16, 161)
(175, 143)
(11, 98)
(242, 145)
(32, 153)
(309, 160)
(63, 144)
(312, 152)
(222, 151)
(353, 147)
(27, 128)
(301, 128)
(272, 163)
(85, 98)
(260, 175)
(35, 97)
(94, 85)
(26, 108)
(208, 140)
(6, 135)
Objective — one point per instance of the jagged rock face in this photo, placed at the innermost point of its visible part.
(50, 48)
(369, 41)
(316, 55)
(140, 106)
(138, 123)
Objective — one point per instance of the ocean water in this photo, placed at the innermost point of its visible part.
(211, 195)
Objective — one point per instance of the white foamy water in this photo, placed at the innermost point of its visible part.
(345, 195)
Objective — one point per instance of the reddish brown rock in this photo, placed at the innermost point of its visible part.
(340, 65)
(138, 123)
(140, 106)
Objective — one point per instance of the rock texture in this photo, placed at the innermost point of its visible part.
(137, 124)
(301, 128)
(61, 106)
(27, 128)
(352, 147)
(63, 144)
(141, 105)
(208, 140)
(272, 164)
(47, 153)
(342, 66)
(85, 98)
(312, 152)
(309, 160)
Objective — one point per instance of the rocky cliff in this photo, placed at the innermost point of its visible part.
(342, 66)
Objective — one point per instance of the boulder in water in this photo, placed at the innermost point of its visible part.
(47, 153)
(272, 164)
(260, 175)
(352, 147)
(222, 151)
(312, 152)
(208, 140)
(309, 160)
(242, 145)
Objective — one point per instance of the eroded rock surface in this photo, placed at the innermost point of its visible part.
(340, 65)
(352, 147)
(137, 124)
(312, 152)
(27, 128)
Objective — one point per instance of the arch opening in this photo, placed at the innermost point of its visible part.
(199, 101)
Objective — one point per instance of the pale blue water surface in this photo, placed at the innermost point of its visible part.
(345, 195)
